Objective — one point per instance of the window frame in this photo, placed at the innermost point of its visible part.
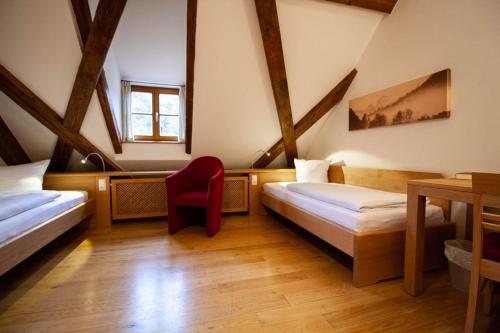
(155, 112)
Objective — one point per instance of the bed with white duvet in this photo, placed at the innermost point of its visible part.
(31, 217)
(365, 223)
(22, 211)
(357, 208)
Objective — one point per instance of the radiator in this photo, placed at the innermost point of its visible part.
(147, 197)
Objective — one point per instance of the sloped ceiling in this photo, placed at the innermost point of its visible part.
(40, 47)
(234, 111)
(150, 42)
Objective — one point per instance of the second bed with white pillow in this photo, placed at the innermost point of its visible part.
(359, 221)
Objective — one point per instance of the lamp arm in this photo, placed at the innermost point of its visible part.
(100, 157)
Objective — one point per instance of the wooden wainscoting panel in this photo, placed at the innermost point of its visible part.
(80, 182)
(284, 175)
(75, 183)
(384, 180)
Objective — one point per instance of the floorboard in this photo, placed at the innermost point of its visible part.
(259, 274)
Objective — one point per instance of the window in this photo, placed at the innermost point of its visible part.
(154, 113)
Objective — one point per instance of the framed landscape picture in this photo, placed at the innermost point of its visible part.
(425, 98)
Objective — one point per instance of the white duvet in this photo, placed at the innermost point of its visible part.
(369, 220)
(356, 198)
(15, 203)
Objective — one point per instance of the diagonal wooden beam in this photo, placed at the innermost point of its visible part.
(271, 38)
(192, 9)
(10, 150)
(104, 96)
(83, 17)
(99, 39)
(385, 6)
(315, 114)
(37, 108)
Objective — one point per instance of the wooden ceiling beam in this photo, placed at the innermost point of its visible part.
(267, 14)
(192, 9)
(99, 39)
(315, 114)
(39, 110)
(104, 96)
(83, 19)
(385, 6)
(11, 152)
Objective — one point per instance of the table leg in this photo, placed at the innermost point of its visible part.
(414, 248)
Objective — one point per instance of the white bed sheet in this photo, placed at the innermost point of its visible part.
(375, 219)
(16, 225)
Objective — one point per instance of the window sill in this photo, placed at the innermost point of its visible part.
(155, 142)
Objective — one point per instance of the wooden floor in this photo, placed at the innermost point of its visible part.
(256, 275)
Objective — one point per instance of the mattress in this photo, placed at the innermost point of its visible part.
(16, 225)
(374, 219)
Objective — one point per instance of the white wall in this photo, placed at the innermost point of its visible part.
(153, 156)
(40, 47)
(234, 110)
(42, 50)
(113, 78)
(421, 37)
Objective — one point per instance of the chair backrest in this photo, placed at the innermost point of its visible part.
(202, 169)
(486, 187)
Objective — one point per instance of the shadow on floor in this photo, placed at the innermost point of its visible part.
(326, 248)
(20, 279)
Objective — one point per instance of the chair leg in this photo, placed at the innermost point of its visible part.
(213, 221)
(473, 300)
(175, 222)
(488, 297)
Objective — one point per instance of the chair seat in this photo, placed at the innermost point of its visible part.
(491, 247)
(197, 199)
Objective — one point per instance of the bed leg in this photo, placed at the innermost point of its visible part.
(380, 256)
(361, 276)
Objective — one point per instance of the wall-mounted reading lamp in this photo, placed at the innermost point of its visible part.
(102, 160)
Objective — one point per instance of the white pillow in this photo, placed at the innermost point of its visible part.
(312, 171)
(24, 177)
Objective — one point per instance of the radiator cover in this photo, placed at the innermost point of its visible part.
(147, 197)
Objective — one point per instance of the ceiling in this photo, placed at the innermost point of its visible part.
(150, 42)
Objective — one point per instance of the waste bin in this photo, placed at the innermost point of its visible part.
(459, 254)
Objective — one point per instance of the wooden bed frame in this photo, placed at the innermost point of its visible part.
(17, 249)
(377, 255)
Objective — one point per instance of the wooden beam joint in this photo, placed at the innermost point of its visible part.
(39, 110)
(315, 114)
(97, 44)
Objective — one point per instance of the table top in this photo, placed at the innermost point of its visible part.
(462, 185)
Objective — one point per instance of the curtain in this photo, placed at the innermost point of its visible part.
(126, 112)
(182, 114)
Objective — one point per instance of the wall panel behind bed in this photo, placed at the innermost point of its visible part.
(384, 180)
(83, 182)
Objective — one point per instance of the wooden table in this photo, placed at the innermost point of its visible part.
(418, 190)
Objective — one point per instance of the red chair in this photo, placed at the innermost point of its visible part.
(196, 186)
